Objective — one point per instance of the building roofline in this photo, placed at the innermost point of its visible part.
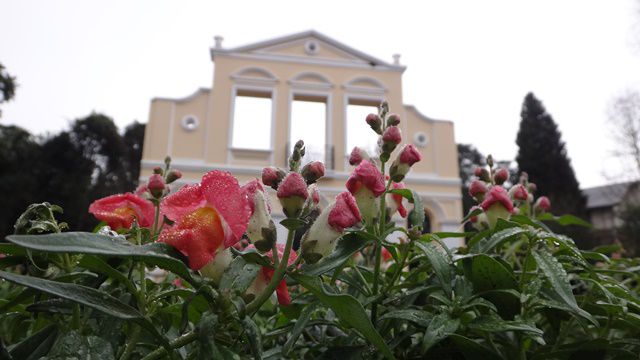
(422, 116)
(183, 99)
(372, 60)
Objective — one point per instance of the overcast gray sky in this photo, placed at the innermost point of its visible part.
(468, 61)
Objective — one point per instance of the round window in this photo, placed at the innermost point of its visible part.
(311, 47)
(190, 123)
(420, 139)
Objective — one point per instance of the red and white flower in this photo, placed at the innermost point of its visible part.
(261, 230)
(209, 217)
(292, 193)
(119, 211)
(497, 205)
(321, 238)
(266, 273)
(408, 156)
(366, 183)
(395, 202)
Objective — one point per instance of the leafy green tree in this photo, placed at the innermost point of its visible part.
(133, 138)
(19, 181)
(543, 155)
(7, 86)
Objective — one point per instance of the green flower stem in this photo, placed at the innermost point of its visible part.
(156, 227)
(274, 253)
(128, 350)
(278, 275)
(401, 265)
(175, 344)
(378, 248)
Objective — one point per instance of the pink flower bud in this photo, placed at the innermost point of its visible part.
(173, 175)
(357, 155)
(393, 120)
(261, 230)
(391, 138)
(375, 122)
(501, 176)
(409, 155)
(478, 171)
(313, 171)
(519, 192)
(157, 170)
(477, 189)
(532, 187)
(314, 194)
(156, 185)
(543, 204)
(497, 205)
(292, 193)
(366, 174)
(321, 238)
(272, 176)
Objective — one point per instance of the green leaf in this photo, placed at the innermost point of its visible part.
(206, 331)
(473, 213)
(416, 217)
(419, 317)
(439, 262)
(96, 264)
(299, 326)
(595, 256)
(564, 220)
(239, 275)
(487, 275)
(73, 345)
(556, 275)
(494, 324)
(293, 223)
(348, 245)
(35, 346)
(253, 256)
(254, 337)
(559, 280)
(405, 193)
(439, 328)
(525, 220)
(499, 238)
(154, 254)
(472, 350)
(89, 297)
(348, 309)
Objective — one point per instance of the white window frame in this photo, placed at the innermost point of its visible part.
(235, 89)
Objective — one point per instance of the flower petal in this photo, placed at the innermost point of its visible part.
(183, 202)
(222, 191)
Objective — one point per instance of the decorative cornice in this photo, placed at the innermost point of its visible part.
(201, 166)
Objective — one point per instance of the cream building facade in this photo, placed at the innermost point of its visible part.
(263, 94)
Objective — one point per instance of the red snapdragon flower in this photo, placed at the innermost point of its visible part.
(209, 217)
(266, 273)
(119, 210)
(366, 175)
(394, 201)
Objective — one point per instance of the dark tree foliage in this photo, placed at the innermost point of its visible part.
(133, 139)
(629, 231)
(19, 181)
(70, 169)
(66, 175)
(7, 86)
(542, 154)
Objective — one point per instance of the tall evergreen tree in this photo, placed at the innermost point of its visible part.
(542, 154)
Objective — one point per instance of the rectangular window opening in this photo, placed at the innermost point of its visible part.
(358, 131)
(252, 117)
(309, 123)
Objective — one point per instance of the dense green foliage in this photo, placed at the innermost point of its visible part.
(92, 153)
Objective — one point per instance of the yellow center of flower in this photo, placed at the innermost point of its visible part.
(126, 213)
(205, 221)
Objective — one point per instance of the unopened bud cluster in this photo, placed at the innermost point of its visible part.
(496, 202)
